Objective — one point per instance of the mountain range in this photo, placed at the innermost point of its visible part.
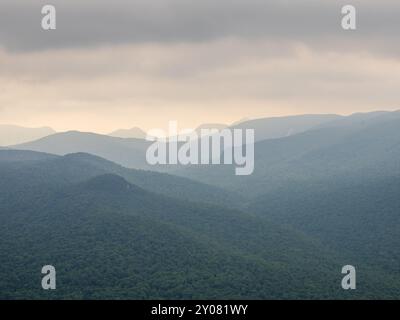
(128, 152)
(324, 196)
(121, 146)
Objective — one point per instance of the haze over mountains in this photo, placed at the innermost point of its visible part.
(127, 152)
(134, 132)
(359, 145)
(127, 148)
(321, 197)
(10, 134)
(278, 127)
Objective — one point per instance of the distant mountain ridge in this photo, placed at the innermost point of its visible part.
(279, 127)
(11, 134)
(134, 132)
(131, 152)
(128, 152)
(357, 145)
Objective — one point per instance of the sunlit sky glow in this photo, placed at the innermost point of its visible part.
(122, 64)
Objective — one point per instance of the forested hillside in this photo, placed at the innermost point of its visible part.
(109, 238)
(318, 200)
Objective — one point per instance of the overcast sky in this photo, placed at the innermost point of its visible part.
(115, 64)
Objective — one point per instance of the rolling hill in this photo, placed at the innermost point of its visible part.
(110, 239)
(33, 168)
(127, 152)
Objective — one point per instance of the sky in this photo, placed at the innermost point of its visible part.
(122, 64)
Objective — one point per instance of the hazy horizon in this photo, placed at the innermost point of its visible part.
(182, 126)
(193, 62)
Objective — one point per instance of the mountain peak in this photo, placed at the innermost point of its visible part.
(134, 132)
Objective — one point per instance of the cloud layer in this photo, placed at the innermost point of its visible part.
(143, 63)
(97, 22)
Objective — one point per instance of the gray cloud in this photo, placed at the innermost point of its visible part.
(193, 61)
(99, 22)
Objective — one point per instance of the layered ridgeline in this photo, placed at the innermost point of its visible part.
(360, 146)
(278, 127)
(109, 238)
(319, 199)
(338, 183)
(128, 147)
(129, 152)
(54, 171)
